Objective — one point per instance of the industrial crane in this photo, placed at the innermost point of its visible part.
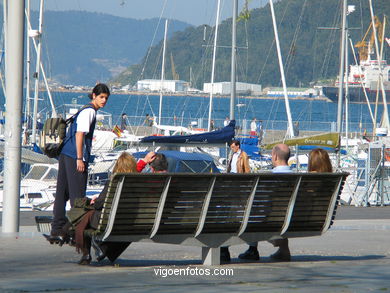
(365, 47)
(175, 75)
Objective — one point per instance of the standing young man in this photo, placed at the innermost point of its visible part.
(74, 158)
(239, 161)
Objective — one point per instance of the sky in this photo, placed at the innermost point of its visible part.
(195, 12)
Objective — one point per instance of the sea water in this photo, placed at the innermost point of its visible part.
(308, 114)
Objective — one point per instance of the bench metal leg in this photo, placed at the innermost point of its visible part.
(211, 256)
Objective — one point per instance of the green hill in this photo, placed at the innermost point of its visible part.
(309, 53)
(81, 47)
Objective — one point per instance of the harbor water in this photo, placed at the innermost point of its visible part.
(307, 114)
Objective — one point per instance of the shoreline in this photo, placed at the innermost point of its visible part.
(202, 95)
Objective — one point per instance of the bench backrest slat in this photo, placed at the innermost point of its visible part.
(315, 204)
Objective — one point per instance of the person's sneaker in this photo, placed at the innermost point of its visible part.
(251, 254)
(99, 252)
(224, 254)
(85, 260)
(57, 239)
(281, 255)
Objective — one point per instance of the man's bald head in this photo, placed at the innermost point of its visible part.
(280, 154)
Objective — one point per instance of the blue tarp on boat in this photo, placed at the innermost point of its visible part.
(223, 135)
(186, 162)
(250, 146)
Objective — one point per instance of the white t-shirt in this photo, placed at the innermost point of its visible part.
(84, 120)
(233, 166)
(253, 126)
(226, 122)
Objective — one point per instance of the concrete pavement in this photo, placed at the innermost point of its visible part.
(354, 256)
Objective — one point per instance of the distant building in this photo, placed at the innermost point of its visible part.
(171, 86)
(294, 92)
(223, 88)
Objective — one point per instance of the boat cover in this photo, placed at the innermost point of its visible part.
(223, 135)
(185, 162)
(330, 140)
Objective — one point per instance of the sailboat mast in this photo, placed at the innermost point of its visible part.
(385, 118)
(290, 125)
(38, 62)
(233, 65)
(346, 85)
(163, 70)
(28, 62)
(2, 80)
(213, 65)
(53, 109)
(341, 70)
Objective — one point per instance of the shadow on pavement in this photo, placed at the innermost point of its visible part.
(267, 260)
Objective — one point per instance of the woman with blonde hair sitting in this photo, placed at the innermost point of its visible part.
(90, 220)
(319, 161)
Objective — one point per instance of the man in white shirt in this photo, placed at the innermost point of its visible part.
(253, 127)
(226, 122)
(238, 163)
(280, 156)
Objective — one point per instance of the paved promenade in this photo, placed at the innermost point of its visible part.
(354, 256)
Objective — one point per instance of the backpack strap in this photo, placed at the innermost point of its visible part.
(71, 119)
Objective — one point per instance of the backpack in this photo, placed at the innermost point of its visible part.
(53, 134)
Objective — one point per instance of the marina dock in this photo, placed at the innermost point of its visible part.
(353, 256)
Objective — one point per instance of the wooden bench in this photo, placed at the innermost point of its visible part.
(214, 210)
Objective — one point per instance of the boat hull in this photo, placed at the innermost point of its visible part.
(356, 94)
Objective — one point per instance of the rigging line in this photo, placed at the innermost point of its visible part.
(361, 20)
(205, 55)
(330, 44)
(146, 102)
(244, 68)
(280, 25)
(78, 3)
(157, 64)
(291, 53)
(153, 39)
(272, 45)
(247, 49)
(314, 74)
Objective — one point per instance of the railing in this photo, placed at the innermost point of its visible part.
(244, 124)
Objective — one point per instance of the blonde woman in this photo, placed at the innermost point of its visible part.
(319, 161)
(124, 164)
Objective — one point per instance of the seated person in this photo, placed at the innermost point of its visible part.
(124, 164)
(159, 163)
(149, 158)
(318, 162)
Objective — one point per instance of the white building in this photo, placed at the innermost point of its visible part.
(171, 86)
(294, 92)
(223, 88)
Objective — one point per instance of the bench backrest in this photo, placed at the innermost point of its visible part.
(200, 205)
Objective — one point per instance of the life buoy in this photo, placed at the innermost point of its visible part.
(387, 154)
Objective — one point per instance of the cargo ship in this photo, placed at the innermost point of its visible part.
(363, 77)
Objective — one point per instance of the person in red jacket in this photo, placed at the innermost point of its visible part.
(149, 158)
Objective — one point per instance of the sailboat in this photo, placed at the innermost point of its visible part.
(218, 138)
